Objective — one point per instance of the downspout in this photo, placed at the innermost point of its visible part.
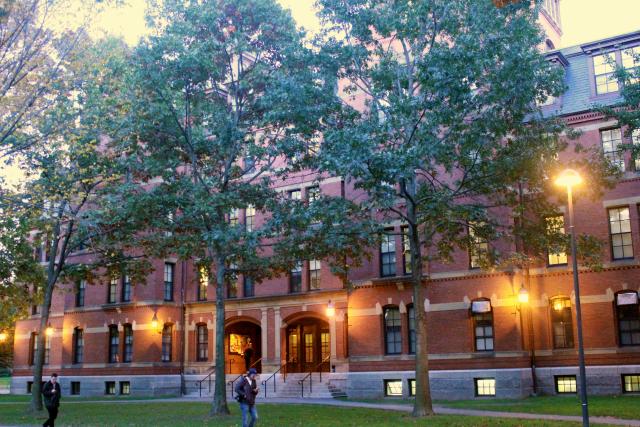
(183, 388)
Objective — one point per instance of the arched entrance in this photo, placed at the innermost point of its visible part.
(308, 345)
(243, 346)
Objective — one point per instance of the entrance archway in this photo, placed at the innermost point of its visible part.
(308, 345)
(243, 346)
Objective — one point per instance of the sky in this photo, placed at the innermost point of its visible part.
(582, 21)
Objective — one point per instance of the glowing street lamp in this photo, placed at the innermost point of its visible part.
(523, 295)
(154, 321)
(569, 179)
(3, 336)
(331, 309)
(49, 331)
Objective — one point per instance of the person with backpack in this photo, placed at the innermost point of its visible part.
(246, 391)
(51, 393)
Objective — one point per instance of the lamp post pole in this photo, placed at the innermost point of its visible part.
(576, 289)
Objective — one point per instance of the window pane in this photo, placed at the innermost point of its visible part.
(393, 388)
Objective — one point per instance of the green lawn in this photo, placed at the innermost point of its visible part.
(194, 414)
(614, 406)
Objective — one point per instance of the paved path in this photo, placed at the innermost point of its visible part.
(439, 409)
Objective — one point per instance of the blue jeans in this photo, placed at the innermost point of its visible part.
(246, 410)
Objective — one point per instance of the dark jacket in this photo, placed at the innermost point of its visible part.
(51, 400)
(246, 390)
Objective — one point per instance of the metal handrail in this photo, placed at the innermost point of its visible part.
(310, 376)
(284, 379)
(239, 376)
(213, 370)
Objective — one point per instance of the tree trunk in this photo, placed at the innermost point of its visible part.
(38, 357)
(423, 405)
(219, 405)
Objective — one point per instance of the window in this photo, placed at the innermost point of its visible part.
(562, 322)
(110, 387)
(295, 195)
(565, 384)
(249, 217)
(233, 216)
(313, 194)
(168, 281)
(392, 331)
(29, 387)
(479, 247)
(325, 345)
(631, 62)
(75, 388)
(167, 342)
(47, 348)
(611, 141)
(388, 255)
(603, 71)
(203, 282)
(78, 345)
(620, 228)
(412, 387)
(631, 383)
(314, 274)
(485, 386)
(127, 351)
(411, 321)
(406, 250)
(482, 316)
(202, 343)
(114, 343)
(628, 318)
(33, 347)
(308, 348)
(126, 288)
(125, 387)
(295, 278)
(248, 287)
(113, 288)
(81, 287)
(232, 288)
(555, 225)
(393, 388)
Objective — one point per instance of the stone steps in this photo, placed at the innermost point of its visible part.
(291, 388)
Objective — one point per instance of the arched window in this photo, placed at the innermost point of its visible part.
(114, 343)
(628, 317)
(411, 321)
(561, 322)
(167, 342)
(202, 346)
(550, 45)
(392, 330)
(482, 317)
(78, 345)
(127, 351)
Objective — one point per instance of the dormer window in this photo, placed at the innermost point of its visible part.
(603, 71)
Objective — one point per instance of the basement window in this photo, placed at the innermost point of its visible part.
(565, 384)
(631, 383)
(485, 386)
(393, 388)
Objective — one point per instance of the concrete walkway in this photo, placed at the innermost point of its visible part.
(439, 409)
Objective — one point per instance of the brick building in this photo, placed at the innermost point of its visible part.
(158, 337)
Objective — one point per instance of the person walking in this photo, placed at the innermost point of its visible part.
(246, 392)
(51, 393)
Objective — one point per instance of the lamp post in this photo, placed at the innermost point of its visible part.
(331, 309)
(569, 179)
(523, 299)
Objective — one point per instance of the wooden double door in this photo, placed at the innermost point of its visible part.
(308, 346)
